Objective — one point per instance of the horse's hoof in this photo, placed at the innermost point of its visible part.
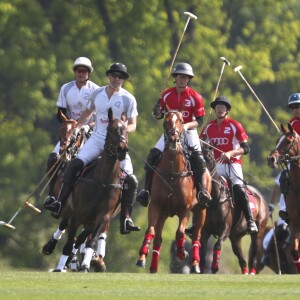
(195, 270)
(84, 269)
(49, 247)
(141, 263)
(214, 271)
(98, 264)
(152, 271)
(57, 270)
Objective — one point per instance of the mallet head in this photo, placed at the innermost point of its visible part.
(7, 225)
(225, 60)
(236, 69)
(190, 15)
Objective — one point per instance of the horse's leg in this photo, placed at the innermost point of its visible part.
(67, 251)
(200, 215)
(98, 261)
(295, 249)
(157, 241)
(149, 235)
(49, 247)
(203, 252)
(237, 250)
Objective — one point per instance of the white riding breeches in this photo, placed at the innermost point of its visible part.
(94, 147)
(232, 171)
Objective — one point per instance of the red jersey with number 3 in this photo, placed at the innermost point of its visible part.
(226, 137)
(189, 101)
(295, 122)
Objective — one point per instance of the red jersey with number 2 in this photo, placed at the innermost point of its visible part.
(225, 137)
(189, 100)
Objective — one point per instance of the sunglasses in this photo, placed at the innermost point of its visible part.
(115, 75)
(292, 107)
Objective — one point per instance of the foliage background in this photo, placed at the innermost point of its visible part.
(40, 39)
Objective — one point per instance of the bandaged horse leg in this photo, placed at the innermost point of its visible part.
(86, 263)
(101, 245)
(215, 261)
(155, 259)
(196, 247)
(296, 260)
(144, 250)
(181, 253)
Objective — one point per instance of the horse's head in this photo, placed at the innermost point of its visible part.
(173, 128)
(117, 137)
(287, 146)
(65, 133)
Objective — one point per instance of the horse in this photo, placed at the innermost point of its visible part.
(287, 152)
(279, 251)
(224, 219)
(173, 192)
(100, 187)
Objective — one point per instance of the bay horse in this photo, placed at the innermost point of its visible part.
(287, 152)
(224, 219)
(96, 196)
(173, 192)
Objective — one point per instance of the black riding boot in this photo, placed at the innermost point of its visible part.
(52, 159)
(199, 169)
(144, 195)
(127, 200)
(242, 198)
(70, 177)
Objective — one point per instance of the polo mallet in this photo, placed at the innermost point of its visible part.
(190, 16)
(26, 203)
(275, 244)
(225, 62)
(238, 69)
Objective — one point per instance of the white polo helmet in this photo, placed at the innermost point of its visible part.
(84, 62)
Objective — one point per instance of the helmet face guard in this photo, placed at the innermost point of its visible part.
(221, 100)
(294, 99)
(83, 62)
(183, 68)
(118, 67)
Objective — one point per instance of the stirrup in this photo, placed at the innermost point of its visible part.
(252, 228)
(143, 197)
(127, 226)
(49, 200)
(203, 198)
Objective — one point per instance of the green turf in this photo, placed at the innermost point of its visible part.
(60, 286)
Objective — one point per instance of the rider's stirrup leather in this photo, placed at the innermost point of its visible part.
(143, 197)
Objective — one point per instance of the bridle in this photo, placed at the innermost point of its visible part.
(173, 132)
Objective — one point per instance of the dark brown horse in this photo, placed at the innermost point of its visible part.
(282, 253)
(96, 196)
(224, 218)
(173, 192)
(287, 152)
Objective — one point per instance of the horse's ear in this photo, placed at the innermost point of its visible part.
(110, 114)
(283, 129)
(291, 129)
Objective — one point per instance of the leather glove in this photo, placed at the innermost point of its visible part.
(271, 208)
(156, 111)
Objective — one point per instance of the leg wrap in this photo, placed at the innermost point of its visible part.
(180, 248)
(146, 243)
(216, 259)
(101, 245)
(196, 250)
(155, 259)
(297, 262)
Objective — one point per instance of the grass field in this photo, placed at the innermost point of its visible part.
(61, 286)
